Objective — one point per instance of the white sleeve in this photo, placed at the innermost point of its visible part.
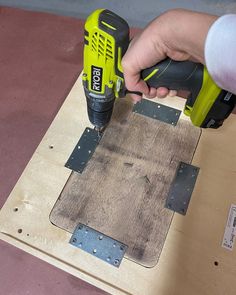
(220, 52)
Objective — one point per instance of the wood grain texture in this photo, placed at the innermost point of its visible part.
(122, 191)
(186, 265)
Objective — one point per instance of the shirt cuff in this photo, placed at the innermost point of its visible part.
(220, 52)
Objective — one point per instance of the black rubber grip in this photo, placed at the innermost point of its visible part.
(177, 75)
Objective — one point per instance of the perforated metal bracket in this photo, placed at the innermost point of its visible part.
(157, 111)
(84, 150)
(181, 188)
(98, 244)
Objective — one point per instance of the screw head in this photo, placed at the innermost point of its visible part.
(116, 262)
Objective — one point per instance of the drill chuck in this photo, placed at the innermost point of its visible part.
(99, 108)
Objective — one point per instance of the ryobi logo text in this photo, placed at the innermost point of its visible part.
(96, 80)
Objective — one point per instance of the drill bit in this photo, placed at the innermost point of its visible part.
(99, 130)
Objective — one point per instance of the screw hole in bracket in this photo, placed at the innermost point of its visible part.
(84, 150)
(98, 244)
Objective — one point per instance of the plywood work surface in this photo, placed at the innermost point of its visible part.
(122, 191)
(192, 259)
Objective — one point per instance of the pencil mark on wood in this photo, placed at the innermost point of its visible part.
(147, 179)
(129, 164)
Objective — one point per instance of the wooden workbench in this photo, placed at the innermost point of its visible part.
(192, 260)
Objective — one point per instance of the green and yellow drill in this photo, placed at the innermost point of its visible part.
(106, 40)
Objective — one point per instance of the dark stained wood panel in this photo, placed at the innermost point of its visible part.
(122, 191)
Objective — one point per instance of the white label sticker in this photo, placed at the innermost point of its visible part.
(230, 229)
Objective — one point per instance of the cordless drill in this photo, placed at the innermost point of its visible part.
(106, 40)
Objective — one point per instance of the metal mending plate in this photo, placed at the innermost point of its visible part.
(98, 244)
(181, 188)
(157, 111)
(84, 150)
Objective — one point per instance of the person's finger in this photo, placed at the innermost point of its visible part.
(162, 92)
(152, 93)
(133, 82)
(135, 98)
(183, 93)
(172, 93)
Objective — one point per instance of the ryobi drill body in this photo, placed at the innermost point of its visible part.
(106, 41)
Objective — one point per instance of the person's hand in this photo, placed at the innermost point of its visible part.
(178, 34)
